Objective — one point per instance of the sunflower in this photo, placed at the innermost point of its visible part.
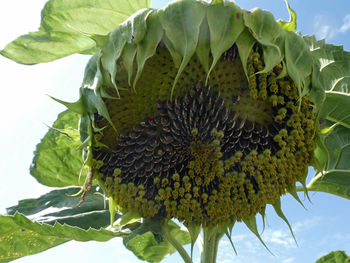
(208, 117)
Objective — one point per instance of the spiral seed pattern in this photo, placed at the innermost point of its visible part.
(198, 160)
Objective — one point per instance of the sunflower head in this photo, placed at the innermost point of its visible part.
(209, 114)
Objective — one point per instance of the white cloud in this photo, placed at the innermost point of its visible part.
(288, 260)
(306, 224)
(346, 24)
(280, 237)
(324, 28)
(240, 237)
(250, 247)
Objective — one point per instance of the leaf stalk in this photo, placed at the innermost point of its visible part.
(175, 243)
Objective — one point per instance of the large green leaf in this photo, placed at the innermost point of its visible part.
(88, 16)
(61, 207)
(334, 158)
(331, 68)
(42, 46)
(56, 162)
(338, 146)
(336, 108)
(147, 241)
(336, 182)
(334, 257)
(66, 25)
(330, 91)
(21, 237)
(56, 219)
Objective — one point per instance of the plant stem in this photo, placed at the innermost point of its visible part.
(175, 243)
(211, 238)
(219, 235)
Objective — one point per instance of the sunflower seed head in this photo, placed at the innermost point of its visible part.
(206, 156)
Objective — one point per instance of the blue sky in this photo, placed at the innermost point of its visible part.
(25, 108)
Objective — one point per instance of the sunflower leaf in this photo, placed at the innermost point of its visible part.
(56, 161)
(60, 206)
(337, 143)
(42, 46)
(293, 192)
(330, 92)
(334, 257)
(147, 241)
(331, 69)
(20, 236)
(335, 178)
(336, 108)
(336, 182)
(65, 26)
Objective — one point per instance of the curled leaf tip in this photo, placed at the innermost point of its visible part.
(291, 25)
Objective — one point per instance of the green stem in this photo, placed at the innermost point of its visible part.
(175, 243)
(219, 235)
(211, 238)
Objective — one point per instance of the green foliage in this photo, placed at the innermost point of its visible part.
(57, 162)
(65, 28)
(335, 182)
(61, 206)
(35, 225)
(334, 257)
(335, 107)
(331, 74)
(147, 241)
(20, 237)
